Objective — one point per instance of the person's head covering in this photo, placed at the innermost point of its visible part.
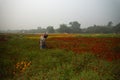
(45, 35)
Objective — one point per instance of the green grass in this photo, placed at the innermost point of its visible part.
(99, 35)
(51, 64)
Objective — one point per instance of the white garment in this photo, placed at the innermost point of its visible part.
(42, 40)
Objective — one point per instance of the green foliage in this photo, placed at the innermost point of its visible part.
(75, 27)
(89, 75)
(99, 29)
(64, 28)
(117, 28)
(110, 23)
(50, 29)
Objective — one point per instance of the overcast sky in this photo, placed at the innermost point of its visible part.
(29, 14)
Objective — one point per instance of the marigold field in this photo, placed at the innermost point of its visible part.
(67, 57)
(108, 48)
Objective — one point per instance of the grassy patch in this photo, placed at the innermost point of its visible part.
(99, 35)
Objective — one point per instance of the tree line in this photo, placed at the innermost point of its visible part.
(75, 27)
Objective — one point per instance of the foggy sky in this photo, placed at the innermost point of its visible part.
(30, 14)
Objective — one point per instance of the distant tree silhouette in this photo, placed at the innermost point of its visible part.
(110, 23)
(64, 28)
(75, 27)
(117, 28)
(50, 29)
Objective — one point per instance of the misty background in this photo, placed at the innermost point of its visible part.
(31, 14)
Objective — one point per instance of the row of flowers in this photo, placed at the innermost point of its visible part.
(108, 48)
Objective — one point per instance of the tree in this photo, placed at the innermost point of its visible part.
(50, 29)
(117, 28)
(40, 30)
(110, 23)
(64, 28)
(75, 26)
(99, 29)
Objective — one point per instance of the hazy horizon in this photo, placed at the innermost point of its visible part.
(30, 14)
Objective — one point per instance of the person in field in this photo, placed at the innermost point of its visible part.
(43, 41)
